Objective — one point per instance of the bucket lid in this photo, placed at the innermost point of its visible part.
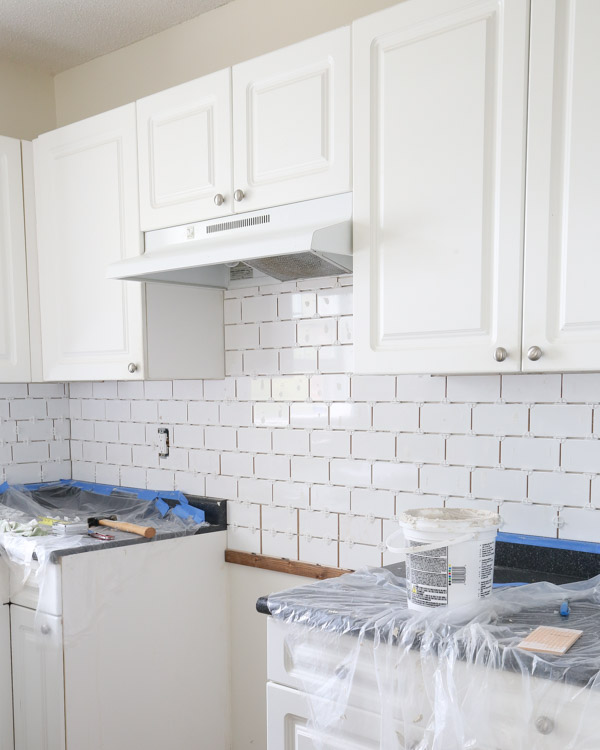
(451, 519)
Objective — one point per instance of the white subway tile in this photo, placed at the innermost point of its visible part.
(160, 479)
(30, 408)
(76, 390)
(94, 409)
(308, 415)
(582, 387)
(235, 414)
(329, 498)
(318, 523)
(261, 362)
(243, 540)
(221, 487)
(132, 476)
(473, 388)
(129, 432)
(158, 389)
(142, 455)
(300, 359)
(190, 483)
(290, 388)
(420, 388)
(172, 412)
(580, 455)
(396, 417)
(23, 473)
(360, 529)
(308, 469)
(297, 305)
(446, 418)
(473, 450)
(23, 453)
(445, 480)
(253, 389)
(35, 429)
(295, 494)
(525, 518)
(219, 390)
(356, 556)
(561, 420)
(256, 490)
(284, 520)
(190, 390)
(329, 387)
(243, 513)
(128, 389)
(191, 436)
(271, 415)
(200, 412)
(141, 411)
(106, 432)
(330, 443)
(530, 453)
(409, 500)
(501, 419)
(392, 476)
(291, 442)
(420, 448)
(367, 502)
(377, 446)
(58, 408)
(237, 464)
(254, 439)
(234, 364)
(349, 416)
(582, 524)
(232, 311)
(275, 544)
(117, 453)
(241, 336)
(558, 488)
(489, 506)
(335, 302)
(317, 332)
(346, 330)
(81, 430)
(531, 388)
(272, 467)
(336, 359)
(373, 387)
(203, 462)
(215, 438)
(276, 335)
(100, 390)
(499, 484)
(258, 309)
(117, 411)
(319, 551)
(350, 472)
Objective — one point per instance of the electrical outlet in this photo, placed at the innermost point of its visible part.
(163, 442)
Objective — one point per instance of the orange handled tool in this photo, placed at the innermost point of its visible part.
(132, 528)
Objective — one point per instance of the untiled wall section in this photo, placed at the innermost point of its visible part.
(318, 461)
(34, 432)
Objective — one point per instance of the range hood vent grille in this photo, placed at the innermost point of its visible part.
(297, 266)
(225, 226)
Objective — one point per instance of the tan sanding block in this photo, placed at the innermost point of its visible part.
(549, 640)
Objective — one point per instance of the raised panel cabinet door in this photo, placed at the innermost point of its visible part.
(14, 316)
(88, 216)
(38, 683)
(439, 136)
(184, 149)
(6, 704)
(561, 316)
(291, 123)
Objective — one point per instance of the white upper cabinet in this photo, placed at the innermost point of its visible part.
(562, 240)
(184, 145)
(439, 135)
(87, 210)
(291, 123)
(15, 364)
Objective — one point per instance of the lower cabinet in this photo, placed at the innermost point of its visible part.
(6, 714)
(38, 684)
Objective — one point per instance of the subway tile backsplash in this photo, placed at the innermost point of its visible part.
(315, 460)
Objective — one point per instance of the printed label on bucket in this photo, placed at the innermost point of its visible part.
(487, 554)
(427, 574)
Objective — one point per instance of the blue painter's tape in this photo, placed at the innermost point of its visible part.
(188, 511)
(162, 507)
(3, 487)
(546, 541)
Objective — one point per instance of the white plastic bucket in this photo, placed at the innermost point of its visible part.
(449, 555)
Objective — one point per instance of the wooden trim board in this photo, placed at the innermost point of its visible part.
(282, 565)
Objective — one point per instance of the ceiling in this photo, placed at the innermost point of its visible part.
(54, 35)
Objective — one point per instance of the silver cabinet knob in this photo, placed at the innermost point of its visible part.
(500, 354)
(544, 724)
(45, 629)
(238, 195)
(132, 367)
(219, 199)
(534, 353)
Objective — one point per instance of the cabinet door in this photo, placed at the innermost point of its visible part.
(14, 317)
(88, 217)
(184, 147)
(439, 129)
(38, 685)
(6, 705)
(291, 123)
(562, 241)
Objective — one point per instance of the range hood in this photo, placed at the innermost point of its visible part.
(297, 241)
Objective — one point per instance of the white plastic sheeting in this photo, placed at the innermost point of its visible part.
(446, 679)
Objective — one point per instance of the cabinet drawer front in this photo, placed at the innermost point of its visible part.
(562, 263)
(291, 123)
(439, 130)
(184, 147)
(87, 207)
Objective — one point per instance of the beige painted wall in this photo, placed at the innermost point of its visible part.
(249, 651)
(230, 34)
(26, 101)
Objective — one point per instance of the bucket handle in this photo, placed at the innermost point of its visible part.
(425, 547)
